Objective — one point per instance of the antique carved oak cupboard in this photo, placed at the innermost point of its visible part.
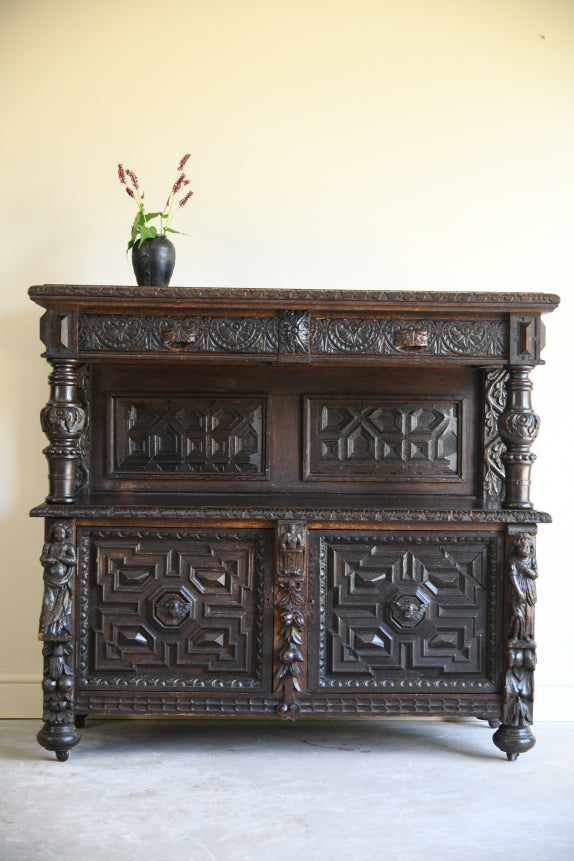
(289, 503)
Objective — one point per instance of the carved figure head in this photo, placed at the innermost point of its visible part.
(523, 546)
(410, 609)
(60, 533)
(292, 540)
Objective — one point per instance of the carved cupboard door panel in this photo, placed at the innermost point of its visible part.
(167, 607)
(401, 610)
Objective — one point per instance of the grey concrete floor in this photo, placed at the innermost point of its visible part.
(316, 790)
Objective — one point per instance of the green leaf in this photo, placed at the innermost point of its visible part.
(171, 230)
(152, 215)
(147, 233)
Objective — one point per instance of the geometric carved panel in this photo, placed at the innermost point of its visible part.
(408, 610)
(382, 437)
(166, 607)
(190, 435)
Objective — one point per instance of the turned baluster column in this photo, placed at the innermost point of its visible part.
(63, 420)
(519, 426)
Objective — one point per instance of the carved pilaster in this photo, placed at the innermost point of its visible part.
(515, 735)
(519, 426)
(494, 448)
(63, 422)
(59, 562)
(290, 621)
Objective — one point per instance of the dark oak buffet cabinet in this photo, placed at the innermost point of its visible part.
(267, 502)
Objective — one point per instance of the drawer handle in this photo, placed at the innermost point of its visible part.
(179, 337)
(411, 338)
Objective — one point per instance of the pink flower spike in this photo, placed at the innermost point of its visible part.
(121, 174)
(184, 200)
(133, 178)
(177, 184)
(183, 161)
(129, 191)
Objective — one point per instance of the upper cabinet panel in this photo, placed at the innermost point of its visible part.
(382, 437)
(197, 435)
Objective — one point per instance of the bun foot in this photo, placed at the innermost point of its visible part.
(493, 724)
(60, 739)
(513, 740)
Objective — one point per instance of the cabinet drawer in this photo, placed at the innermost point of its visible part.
(166, 607)
(403, 610)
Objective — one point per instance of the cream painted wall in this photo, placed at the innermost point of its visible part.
(335, 143)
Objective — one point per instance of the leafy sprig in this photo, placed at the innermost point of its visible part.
(141, 227)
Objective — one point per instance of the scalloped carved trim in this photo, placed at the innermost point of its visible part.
(373, 515)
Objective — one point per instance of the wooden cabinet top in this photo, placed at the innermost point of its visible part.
(107, 322)
(104, 297)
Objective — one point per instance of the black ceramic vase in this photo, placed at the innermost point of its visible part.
(153, 261)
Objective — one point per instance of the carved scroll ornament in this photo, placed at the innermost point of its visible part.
(494, 448)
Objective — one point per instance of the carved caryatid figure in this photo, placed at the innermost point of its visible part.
(523, 572)
(59, 560)
(292, 559)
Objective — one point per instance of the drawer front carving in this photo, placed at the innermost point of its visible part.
(371, 336)
(382, 437)
(291, 332)
(167, 334)
(166, 607)
(199, 435)
(399, 610)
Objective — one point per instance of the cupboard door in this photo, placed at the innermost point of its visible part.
(167, 607)
(402, 610)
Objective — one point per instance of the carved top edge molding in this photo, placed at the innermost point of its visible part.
(314, 514)
(206, 295)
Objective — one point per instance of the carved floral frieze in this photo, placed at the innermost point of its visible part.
(291, 332)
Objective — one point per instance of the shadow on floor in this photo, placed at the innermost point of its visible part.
(215, 737)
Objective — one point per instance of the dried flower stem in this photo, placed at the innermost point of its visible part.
(141, 227)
